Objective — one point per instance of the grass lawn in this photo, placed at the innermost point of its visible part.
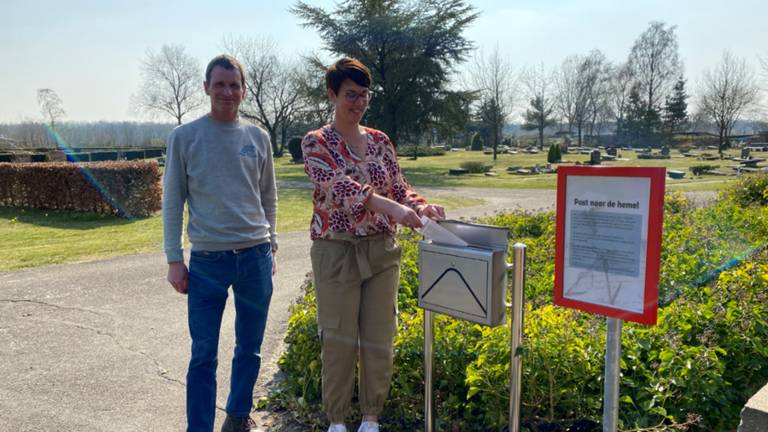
(433, 170)
(33, 238)
(36, 237)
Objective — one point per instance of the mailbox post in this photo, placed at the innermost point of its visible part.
(429, 406)
(516, 335)
(470, 283)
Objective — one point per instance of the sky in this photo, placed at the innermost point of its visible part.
(90, 51)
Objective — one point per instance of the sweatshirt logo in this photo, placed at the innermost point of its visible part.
(248, 150)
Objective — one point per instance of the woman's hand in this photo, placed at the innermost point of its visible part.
(405, 216)
(434, 212)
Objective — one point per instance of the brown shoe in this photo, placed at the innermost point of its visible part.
(239, 424)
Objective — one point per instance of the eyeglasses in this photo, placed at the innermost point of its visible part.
(352, 96)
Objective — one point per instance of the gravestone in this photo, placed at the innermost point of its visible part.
(594, 157)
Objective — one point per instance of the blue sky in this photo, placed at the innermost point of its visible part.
(90, 51)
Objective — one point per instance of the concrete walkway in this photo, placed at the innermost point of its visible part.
(103, 346)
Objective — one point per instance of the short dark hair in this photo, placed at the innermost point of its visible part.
(227, 62)
(347, 68)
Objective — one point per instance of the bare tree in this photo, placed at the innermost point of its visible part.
(540, 113)
(764, 67)
(273, 98)
(579, 87)
(50, 105)
(171, 83)
(655, 63)
(621, 82)
(725, 93)
(495, 82)
(316, 110)
(566, 89)
(599, 71)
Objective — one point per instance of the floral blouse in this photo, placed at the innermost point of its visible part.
(343, 183)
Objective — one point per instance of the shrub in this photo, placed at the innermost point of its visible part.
(696, 368)
(407, 150)
(133, 154)
(294, 147)
(652, 156)
(126, 189)
(39, 157)
(475, 167)
(477, 142)
(699, 170)
(80, 157)
(750, 190)
(554, 154)
(153, 153)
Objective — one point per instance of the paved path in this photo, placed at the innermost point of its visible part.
(103, 346)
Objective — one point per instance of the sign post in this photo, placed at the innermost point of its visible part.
(612, 373)
(608, 248)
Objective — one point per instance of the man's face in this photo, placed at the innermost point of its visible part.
(225, 89)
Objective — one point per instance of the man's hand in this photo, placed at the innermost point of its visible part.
(274, 264)
(434, 212)
(178, 276)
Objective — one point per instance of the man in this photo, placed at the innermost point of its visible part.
(222, 169)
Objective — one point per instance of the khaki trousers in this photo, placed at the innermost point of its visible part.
(356, 280)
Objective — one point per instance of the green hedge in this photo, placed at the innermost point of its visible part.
(126, 189)
(476, 167)
(423, 150)
(652, 156)
(695, 369)
(294, 147)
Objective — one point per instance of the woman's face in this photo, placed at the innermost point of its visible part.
(351, 102)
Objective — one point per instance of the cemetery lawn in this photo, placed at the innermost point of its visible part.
(33, 238)
(433, 170)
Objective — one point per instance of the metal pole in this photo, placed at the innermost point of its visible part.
(516, 336)
(429, 421)
(612, 371)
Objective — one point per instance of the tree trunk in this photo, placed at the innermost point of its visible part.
(273, 139)
(721, 143)
(578, 127)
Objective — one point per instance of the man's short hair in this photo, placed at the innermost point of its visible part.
(347, 68)
(227, 62)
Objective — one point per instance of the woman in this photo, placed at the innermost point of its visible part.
(360, 196)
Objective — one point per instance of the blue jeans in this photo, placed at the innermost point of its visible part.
(249, 272)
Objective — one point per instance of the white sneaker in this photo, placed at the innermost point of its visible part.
(368, 426)
(337, 428)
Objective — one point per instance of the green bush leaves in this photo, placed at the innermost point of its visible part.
(696, 368)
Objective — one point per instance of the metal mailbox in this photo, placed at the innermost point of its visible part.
(466, 282)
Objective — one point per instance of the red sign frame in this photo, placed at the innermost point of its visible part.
(657, 178)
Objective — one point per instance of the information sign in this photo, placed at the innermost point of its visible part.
(608, 240)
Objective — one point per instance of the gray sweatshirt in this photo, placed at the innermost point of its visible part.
(225, 173)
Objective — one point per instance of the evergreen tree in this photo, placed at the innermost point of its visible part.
(410, 47)
(538, 117)
(477, 142)
(676, 108)
(554, 155)
(490, 115)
